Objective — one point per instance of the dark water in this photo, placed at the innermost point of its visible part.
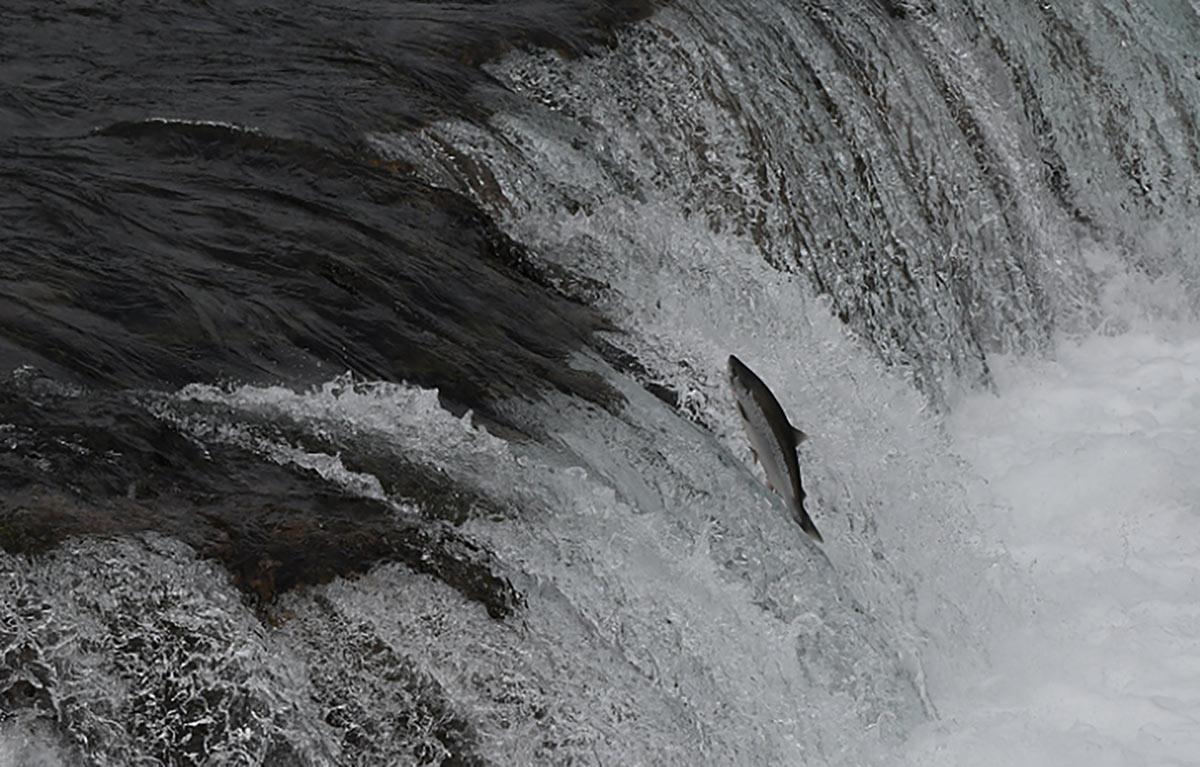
(230, 224)
(206, 203)
(186, 199)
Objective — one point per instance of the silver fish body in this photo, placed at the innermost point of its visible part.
(772, 438)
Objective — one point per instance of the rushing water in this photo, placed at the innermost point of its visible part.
(363, 390)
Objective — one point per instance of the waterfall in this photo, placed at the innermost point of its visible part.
(887, 210)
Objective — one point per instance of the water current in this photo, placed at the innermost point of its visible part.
(363, 389)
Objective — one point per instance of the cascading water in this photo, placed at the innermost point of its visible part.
(869, 205)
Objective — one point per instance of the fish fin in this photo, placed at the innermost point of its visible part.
(806, 524)
(798, 435)
(754, 453)
(770, 486)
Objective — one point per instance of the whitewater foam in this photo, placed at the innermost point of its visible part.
(1090, 457)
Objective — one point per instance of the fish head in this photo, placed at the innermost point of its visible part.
(740, 380)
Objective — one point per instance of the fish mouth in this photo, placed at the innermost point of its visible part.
(737, 369)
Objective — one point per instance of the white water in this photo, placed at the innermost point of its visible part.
(1042, 586)
(1080, 467)
(1090, 460)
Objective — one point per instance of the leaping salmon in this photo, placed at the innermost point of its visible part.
(773, 439)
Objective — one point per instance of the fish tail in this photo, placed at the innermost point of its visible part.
(806, 524)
